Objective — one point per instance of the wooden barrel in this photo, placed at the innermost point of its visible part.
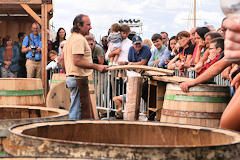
(203, 105)
(21, 91)
(121, 140)
(59, 96)
(12, 115)
(57, 78)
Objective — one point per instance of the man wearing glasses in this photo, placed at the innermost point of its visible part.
(105, 43)
(97, 51)
(164, 38)
(32, 45)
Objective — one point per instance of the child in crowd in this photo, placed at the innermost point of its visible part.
(119, 101)
(215, 50)
(53, 55)
(115, 40)
(148, 43)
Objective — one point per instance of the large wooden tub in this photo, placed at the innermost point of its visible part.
(121, 140)
(21, 91)
(203, 105)
(12, 115)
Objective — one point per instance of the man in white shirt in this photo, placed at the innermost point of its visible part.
(123, 52)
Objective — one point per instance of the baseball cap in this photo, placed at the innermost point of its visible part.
(136, 39)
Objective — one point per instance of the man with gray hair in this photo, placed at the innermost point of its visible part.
(78, 66)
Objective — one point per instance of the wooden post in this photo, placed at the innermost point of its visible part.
(44, 12)
(152, 98)
(134, 92)
(161, 89)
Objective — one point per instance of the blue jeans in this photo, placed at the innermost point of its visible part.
(75, 108)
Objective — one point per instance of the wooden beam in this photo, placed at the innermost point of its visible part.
(31, 13)
(142, 67)
(20, 1)
(44, 46)
(49, 7)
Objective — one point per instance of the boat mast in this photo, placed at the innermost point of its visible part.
(194, 18)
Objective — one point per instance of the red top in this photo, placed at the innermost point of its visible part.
(7, 56)
(195, 51)
(207, 65)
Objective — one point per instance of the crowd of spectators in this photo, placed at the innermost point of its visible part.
(201, 49)
(182, 51)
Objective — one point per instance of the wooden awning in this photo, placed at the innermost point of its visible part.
(29, 11)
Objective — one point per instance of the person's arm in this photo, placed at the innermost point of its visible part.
(205, 56)
(226, 72)
(39, 48)
(232, 39)
(25, 45)
(79, 61)
(171, 64)
(198, 67)
(211, 72)
(62, 62)
(150, 62)
(25, 49)
(236, 81)
(165, 55)
(110, 54)
(142, 62)
(188, 62)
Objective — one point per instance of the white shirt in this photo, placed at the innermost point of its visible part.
(123, 57)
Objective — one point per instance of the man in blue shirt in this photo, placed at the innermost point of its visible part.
(160, 53)
(32, 47)
(138, 54)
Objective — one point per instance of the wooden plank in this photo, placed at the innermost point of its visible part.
(44, 46)
(154, 73)
(172, 79)
(134, 91)
(151, 82)
(142, 67)
(17, 9)
(92, 96)
(31, 13)
(20, 1)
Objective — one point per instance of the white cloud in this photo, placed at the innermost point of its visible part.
(176, 4)
(156, 15)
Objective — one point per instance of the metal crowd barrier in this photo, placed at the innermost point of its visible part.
(190, 73)
(113, 83)
(108, 85)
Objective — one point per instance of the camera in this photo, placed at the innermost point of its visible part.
(34, 49)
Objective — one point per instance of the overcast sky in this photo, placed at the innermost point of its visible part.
(156, 15)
